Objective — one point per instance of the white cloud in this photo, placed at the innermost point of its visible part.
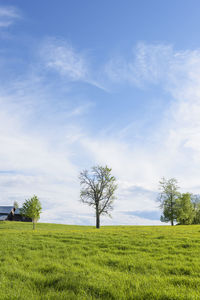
(8, 15)
(61, 57)
(149, 64)
(64, 59)
(124, 219)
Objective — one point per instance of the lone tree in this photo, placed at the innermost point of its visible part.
(32, 209)
(168, 199)
(97, 190)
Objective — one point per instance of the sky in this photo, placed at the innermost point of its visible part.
(86, 83)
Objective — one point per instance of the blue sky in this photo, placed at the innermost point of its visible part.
(98, 82)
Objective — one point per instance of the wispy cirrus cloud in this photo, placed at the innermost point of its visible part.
(156, 64)
(62, 57)
(149, 64)
(8, 15)
(73, 65)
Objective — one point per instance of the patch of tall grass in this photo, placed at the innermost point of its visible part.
(80, 262)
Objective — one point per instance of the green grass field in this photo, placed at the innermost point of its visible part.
(119, 262)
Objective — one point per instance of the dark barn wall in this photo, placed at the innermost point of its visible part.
(10, 214)
(21, 218)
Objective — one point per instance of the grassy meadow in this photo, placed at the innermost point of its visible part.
(80, 262)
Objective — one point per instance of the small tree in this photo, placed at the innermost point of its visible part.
(97, 190)
(32, 209)
(168, 199)
(185, 210)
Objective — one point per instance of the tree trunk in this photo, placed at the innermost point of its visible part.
(97, 218)
(33, 225)
(172, 222)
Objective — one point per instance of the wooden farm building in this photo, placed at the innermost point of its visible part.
(9, 213)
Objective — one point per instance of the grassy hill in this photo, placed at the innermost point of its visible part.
(119, 262)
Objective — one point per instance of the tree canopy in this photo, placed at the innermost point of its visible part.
(185, 209)
(32, 209)
(169, 193)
